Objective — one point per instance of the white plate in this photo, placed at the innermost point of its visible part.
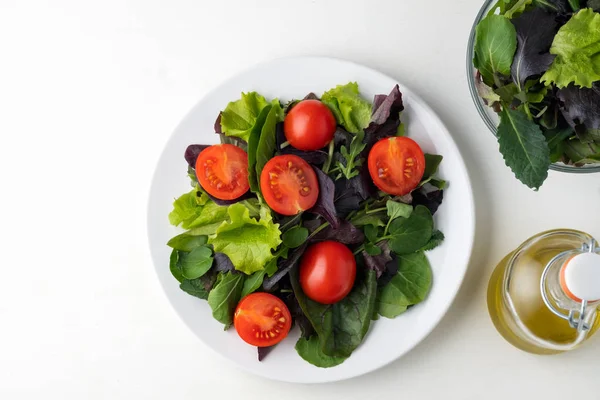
(387, 340)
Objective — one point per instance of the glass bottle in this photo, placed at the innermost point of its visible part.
(544, 296)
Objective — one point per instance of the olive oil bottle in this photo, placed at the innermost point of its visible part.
(544, 297)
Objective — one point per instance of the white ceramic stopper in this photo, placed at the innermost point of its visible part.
(581, 277)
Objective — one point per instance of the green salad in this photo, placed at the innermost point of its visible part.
(538, 65)
(315, 213)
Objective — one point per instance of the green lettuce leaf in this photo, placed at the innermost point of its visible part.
(577, 49)
(186, 208)
(495, 47)
(350, 110)
(518, 7)
(246, 241)
(410, 286)
(239, 116)
(524, 147)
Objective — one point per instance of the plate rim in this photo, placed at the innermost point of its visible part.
(470, 203)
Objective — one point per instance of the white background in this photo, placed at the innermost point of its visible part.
(89, 94)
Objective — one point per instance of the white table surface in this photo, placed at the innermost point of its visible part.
(89, 93)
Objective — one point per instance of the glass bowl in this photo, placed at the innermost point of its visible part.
(490, 118)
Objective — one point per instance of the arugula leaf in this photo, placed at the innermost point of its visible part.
(577, 47)
(351, 160)
(350, 110)
(252, 283)
(239, 116)
(224, 297)
(409, 287)
(187, 242)
(194, 288)
(246, 241)
(524, 147)
(395, 209)
(535, 32)
(495, 46)
(268, 139)
(437, 237)
(195, 263)
(253, 141)
(295, 236)
(408, 235)
(310, 350)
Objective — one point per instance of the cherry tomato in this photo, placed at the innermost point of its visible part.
(396, 165)
(222, 171)
(262, 319)
(289, 185)
(327, 272)
(310, 125)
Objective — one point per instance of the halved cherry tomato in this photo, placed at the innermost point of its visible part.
(327, 272)
(262, 319)
(396, 165)
(310, 125)
(289, 185)
(222, 171)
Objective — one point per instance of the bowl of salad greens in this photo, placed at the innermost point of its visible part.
(308, 228)
(534, 75)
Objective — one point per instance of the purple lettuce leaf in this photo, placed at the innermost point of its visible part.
(346, 233)
(535, 32)
(385, 119)
(192, 152)
(218, 124)
(350, 193)
(432, 199)
(284, 267)
(325, 206)
(389, 272)
(581, 109)
(378, 263)
(263, 352)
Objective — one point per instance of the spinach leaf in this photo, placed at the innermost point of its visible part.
(187, 242)
(253, 140)
(268, 138)
(535, 32)
(395, 209)
(252, 283)
(408, 235)
(310, 350)
(524, 147)
(495, 46)
(294, 237)
(224, 297)
(410, 286)
(175, 267)
(195, 263)
(342, 326)
(432, 163)
(194, 288)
